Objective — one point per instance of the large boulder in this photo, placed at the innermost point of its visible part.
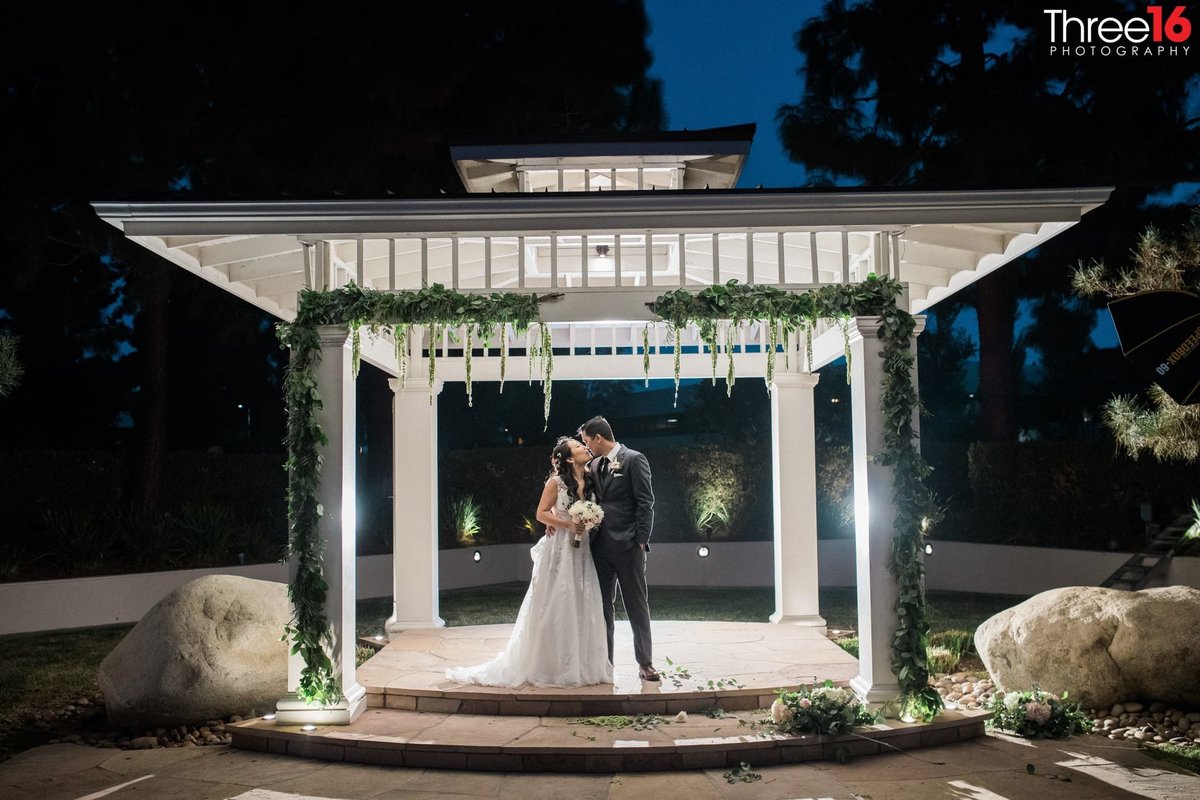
(1103, 646)
(207, 650)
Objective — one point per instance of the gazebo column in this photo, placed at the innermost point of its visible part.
(415, 507)
(794, 479)
(874, 514)
(336, 494)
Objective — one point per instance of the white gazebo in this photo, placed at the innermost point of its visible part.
(609, 225)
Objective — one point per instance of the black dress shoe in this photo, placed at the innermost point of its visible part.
(647, 672)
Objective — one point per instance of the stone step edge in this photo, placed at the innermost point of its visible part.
(484, 703)
(578, 755)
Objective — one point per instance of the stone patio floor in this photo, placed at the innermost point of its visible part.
(989, 768)
(741, 663)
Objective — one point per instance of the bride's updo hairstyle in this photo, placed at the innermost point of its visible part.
(560, 465)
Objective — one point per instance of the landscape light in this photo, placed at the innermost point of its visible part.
(702, 551)
(477, 557)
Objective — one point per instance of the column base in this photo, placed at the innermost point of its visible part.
(872, 694)
(807, 620)
(394, 625)
(291, 710)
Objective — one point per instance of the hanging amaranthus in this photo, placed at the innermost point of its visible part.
(730, 376)
(400, 335)
(809, 329)
(534, 347)
(547, 353)
(773, 343)
(845, 323)
(677, 333)
(503, 353)
(646, 354)
(470, 345)
(435, 333)
(355, 347)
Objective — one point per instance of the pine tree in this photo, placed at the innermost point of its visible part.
(1163, 428)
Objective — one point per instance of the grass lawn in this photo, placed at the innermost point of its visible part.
(43, 672)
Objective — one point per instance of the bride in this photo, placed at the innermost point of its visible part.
(560, 637)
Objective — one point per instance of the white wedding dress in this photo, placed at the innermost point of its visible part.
(559, 639)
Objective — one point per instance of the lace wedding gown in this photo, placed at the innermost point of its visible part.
(559, 639)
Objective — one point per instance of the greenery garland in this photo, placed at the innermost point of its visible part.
(914, 503)
(437, 306)
(356, 307)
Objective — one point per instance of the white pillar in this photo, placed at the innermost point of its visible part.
(874, 514)
(336, 494)
(794, 479)
(415, 507)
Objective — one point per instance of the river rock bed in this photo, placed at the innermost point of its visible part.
(1143, 722)
(85, 722)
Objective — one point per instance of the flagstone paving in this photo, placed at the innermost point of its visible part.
(743, 664)
(991, 767)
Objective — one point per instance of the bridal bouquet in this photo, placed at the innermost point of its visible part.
(587, 512)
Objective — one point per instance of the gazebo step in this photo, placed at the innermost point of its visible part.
(563, 744)
(563, 705)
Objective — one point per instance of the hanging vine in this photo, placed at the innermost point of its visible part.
(646, 355)
(913, 502)
(436, 307)
(355, 307)
(503, 353)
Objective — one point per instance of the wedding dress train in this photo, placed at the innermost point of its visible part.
(559, 638)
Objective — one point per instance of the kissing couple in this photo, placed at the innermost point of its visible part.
(563, 636)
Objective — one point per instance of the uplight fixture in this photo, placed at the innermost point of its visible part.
(477, 557)
(268, 716)
(928, 549)
(308, 727)
(702, 551)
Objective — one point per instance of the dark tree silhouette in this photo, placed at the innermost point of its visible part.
(940, 94)
(263, 103)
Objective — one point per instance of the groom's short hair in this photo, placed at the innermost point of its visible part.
(597, 426)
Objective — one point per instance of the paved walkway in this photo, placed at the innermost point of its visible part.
(991, 768)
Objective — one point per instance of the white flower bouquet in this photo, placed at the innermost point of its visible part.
(588, 514)
(1038, 715)
(825, 709)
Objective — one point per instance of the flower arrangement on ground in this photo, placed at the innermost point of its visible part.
(1038, 715)
(826, 709)
(588, 514)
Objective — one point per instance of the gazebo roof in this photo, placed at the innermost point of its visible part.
(710, 158)
(937, 242)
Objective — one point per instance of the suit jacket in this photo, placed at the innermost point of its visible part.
(627, 498)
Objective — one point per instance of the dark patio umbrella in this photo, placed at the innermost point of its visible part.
(1160, 334)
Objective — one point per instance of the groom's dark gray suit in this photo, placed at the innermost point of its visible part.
(627, 498)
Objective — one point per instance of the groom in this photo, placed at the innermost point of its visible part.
(622, 480)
